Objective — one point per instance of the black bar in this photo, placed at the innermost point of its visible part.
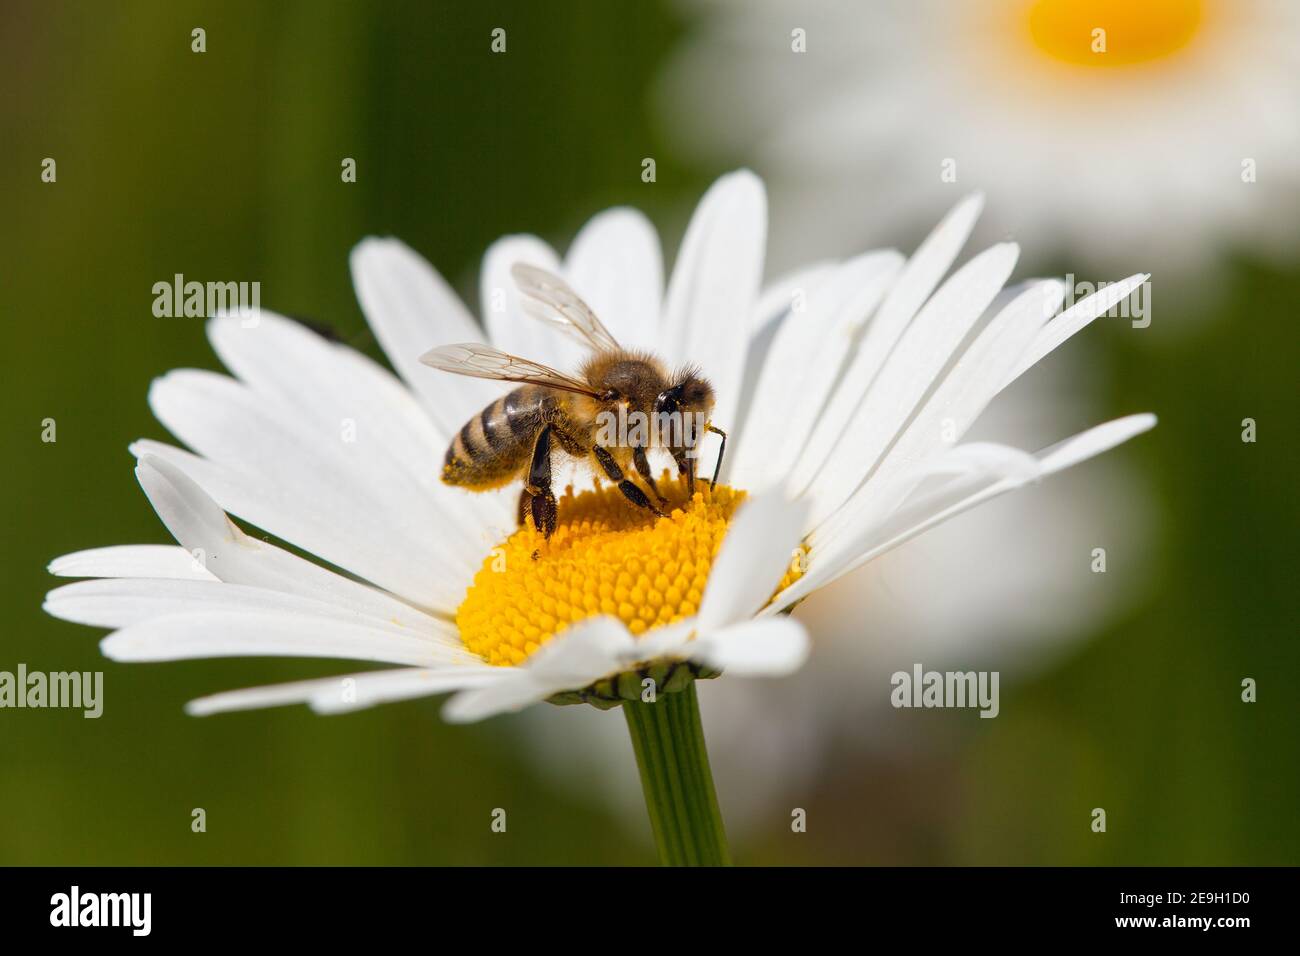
(541, 906)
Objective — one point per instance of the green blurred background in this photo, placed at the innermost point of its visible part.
(226, 165)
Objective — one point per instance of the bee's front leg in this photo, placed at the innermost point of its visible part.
(643, 467)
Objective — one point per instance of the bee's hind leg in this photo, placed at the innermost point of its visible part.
(630, 491)
(542, 499)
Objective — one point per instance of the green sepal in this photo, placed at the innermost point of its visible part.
(678, 679)
(629, 685)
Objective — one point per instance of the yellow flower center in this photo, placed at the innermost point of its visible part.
(606, 557)
(1102, 33)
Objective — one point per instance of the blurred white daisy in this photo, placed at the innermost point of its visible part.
(1109, 129)
(317, 445)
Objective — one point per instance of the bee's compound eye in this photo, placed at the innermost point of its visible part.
(609, 395)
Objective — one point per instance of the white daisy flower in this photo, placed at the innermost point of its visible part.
(888, 374)
(1005, 587)
(1164, 130)
(847, 387)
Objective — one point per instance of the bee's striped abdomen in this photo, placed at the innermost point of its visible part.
(494, 445)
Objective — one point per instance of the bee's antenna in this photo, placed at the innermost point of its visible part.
(722, 450)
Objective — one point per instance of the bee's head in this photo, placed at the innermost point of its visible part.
(690, 398)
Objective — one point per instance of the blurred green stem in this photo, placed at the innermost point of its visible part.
(675, 776)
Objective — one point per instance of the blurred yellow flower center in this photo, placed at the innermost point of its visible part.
(606, 556)
(1113, 32)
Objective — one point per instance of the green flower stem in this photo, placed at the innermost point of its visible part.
(675, 776)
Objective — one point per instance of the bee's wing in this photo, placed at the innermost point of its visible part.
(549, 298)
(483, 361)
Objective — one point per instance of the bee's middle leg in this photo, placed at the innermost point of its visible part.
(539, 485)
(630, 491)
(643, 468)
(686, 466)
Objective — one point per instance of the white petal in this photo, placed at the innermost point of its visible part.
(571, 660)
(921, 354)
(369, 691)
(300, 483)
(431, 574)
(615, 264)
(250, 633)
(968, 387)
(333, 386)
(359, 410)
(671, 641)
(879, 534)
(758, 548)
(772, 646)
(329, 695)
(714, 285)
(769, 314)
(819, 337)
(122, 602)
(778, 297)
(202, 528)
(874, 502)
(411, 309)
(931, 261)
(132, 561)
(915, 283)
(1094, 441)
(1073, 319)
(511, 329)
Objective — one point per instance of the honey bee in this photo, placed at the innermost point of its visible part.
(516, 436)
